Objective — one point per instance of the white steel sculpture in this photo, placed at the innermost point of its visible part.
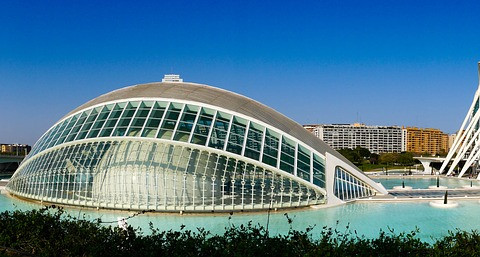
(467, 141)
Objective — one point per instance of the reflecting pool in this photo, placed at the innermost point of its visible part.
(424, 182)
(364, 218)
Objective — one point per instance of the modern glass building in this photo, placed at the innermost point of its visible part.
(175, 146)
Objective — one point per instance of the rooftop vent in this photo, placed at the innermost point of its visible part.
(172, 78)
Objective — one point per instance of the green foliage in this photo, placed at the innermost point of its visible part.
(388, 158)
(362, 157)
(459, 243)
(363, 152)
(51, 232)
(374, 158)
(356, 156)
(351, 155)
(404, 158)
(40, 232)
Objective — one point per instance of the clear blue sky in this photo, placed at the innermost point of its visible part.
(386, 62)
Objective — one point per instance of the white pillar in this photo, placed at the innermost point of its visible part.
(426, 166)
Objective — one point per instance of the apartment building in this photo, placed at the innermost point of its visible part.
(377, 139)
(426, 140)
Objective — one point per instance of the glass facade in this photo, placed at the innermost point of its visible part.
(148, 154)
(147, 175)
(192, 124)
(348, 187)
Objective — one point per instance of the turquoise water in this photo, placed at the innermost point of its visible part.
(366, 218)
(414, 182)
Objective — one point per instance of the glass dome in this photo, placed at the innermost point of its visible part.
(184, 147)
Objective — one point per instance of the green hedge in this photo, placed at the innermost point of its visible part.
(51, 232)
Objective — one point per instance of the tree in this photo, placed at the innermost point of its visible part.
(388, 158)
(351, 155)
(405, 158)
(374, 158)
(363, 152)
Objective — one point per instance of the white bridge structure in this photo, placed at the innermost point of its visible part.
(426, 161)
(466, 145)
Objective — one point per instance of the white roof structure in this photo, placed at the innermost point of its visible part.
(175, 146)
(467, 141)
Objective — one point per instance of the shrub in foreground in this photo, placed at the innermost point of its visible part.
(51, 232)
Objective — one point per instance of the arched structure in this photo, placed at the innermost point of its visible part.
(466, 145)
(175, 146)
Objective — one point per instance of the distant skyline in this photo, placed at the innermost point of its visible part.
(405, 63)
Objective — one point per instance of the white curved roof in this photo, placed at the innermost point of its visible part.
(217, 97)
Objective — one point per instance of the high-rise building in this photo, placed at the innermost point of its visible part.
(451, 139)
(426, 140)
(377, 139)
